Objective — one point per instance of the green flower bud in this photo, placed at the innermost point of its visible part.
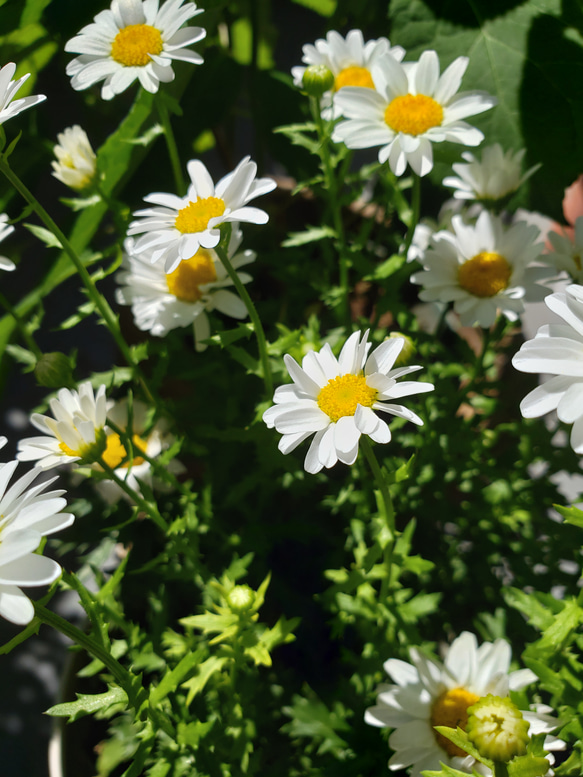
(240, 598)
(54, 370)
(497, 729)
(407, 351)
(317, 80)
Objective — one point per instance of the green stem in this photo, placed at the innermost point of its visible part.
(255, 320)
(98, 299)
(415, 211)
(500, 769)
(26, 336)
(171, 145)
(388, 510)
(85, 641)
(331, 188)
(150, 509)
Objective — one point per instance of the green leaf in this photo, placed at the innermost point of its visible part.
(224, 339)
(310, 235)
(565, 623)
(538, 615)
(89, 704)
(22, 355)
(445, 771)
(313, 720)
(205, 672)
(172, 680)
(44, 235)
(323, 7)
(572, 515)
(459, 737)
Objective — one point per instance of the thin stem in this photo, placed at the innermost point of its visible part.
(255, 320)
(415, 211)
(171, 145)
(98, 299)
(389, 513)
(331, 188)
(85, 641)
(26, 336)
(500, 769)
(147, 507)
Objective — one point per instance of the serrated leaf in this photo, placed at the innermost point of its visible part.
(172, 679)
(538, 615)
(205, 672)
(89, 704)
(572, 515)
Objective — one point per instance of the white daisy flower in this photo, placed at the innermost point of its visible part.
(412, 107)
(151, 440)
(133, 40)
(482, 269)
(336, 399)
(567, 253)
(349, 60)
(5, 230)
(76, 160)
(557, 350)
(28, 512)
(163, 301)
(75, 432)
(8, 89)
(181, 225)
(494, 177)
(430, 693)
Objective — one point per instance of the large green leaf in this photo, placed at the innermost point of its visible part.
(529, 55)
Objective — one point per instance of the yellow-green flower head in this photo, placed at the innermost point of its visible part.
(496, 727)
(317, 79)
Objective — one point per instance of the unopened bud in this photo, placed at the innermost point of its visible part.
(240, 598)
(53, 370)
(407, 351)
(497, 729)
(317, 80)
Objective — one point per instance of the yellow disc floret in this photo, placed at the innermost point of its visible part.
(353, 76)
(190, 275)
(134, 45)
(413, 114)
(196, 215)
(115, 453)
(340, 396)
(451, 709)
(485, 274)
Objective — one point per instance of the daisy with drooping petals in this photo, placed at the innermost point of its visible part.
(493, 177)
(133, 40)
(5, 230)
(557, 350)
(76, 160)
(335, 399)
(10, 107)
(163, 301)
(430, 693)
(179, 226)
(411, 108)
(75, 432)
(483, 269)
(349, 59)
(27, 513)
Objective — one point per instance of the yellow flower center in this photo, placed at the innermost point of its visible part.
(353, 76)
(340, 396)
(485, 274)
(413, 114)
(115, 452)
(451, 709)
(70, 452)
(134, 44)
(185, 281)
(196, 215)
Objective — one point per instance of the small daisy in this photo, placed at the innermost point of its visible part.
(335, 399)
(482, 269)
(76, 160)
(349, 60)
(133, 40)
(5, 230)
(76, 431)
(567, 253)
(151, 440)
(181, 225)
(412, 107)
(430, 693)
(8, 89)
(492, 178)
(163, 301)
(27, 513)
(557, 350)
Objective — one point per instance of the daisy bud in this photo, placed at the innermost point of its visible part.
(240, 599)
(317, 80)
(407, 351)
(53, 370)
(496, 727)
(76, 161)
